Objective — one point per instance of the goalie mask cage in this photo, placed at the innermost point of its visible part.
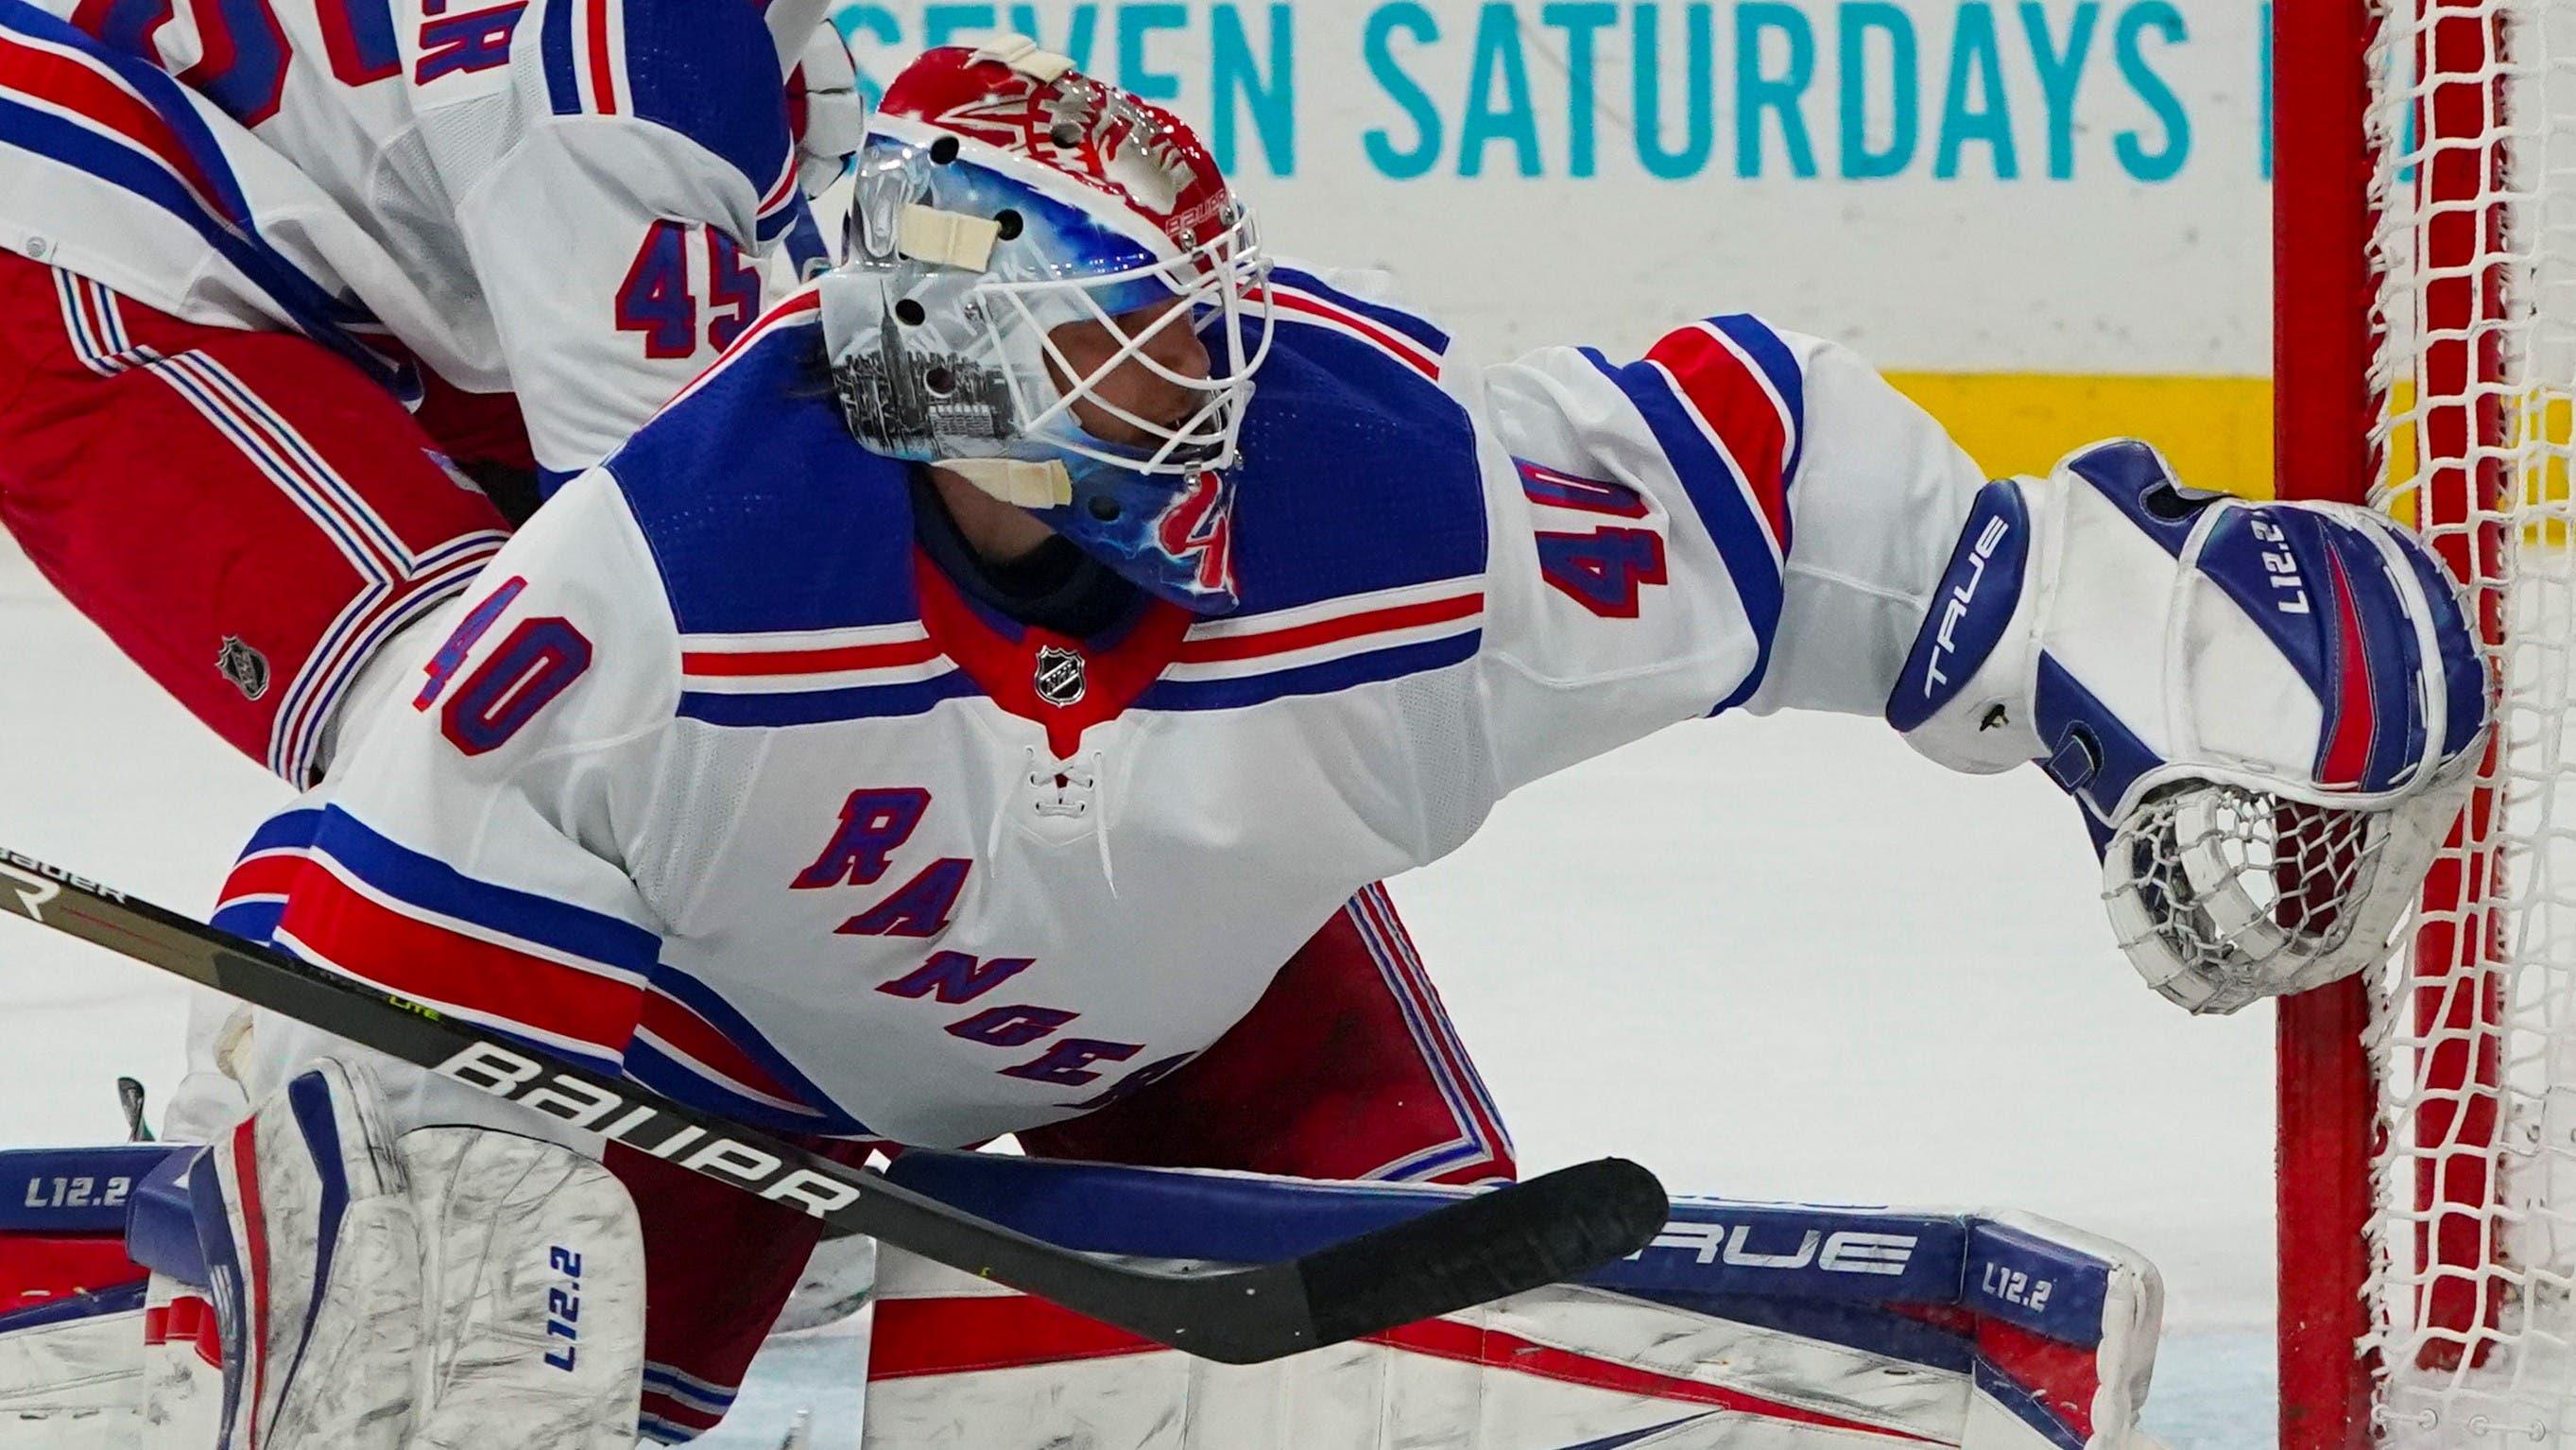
(2424, 355)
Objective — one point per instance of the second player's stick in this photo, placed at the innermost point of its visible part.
(1476, 1250)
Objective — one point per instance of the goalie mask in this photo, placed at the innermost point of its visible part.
(1000, 196)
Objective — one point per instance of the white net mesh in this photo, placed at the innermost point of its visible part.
(2237, 889)
(2473, 129)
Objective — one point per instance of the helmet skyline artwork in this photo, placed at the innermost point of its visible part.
(1002, 196)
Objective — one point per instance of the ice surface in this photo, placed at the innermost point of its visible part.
(1774, 958)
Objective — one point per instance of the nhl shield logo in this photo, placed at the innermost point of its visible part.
(1060, 675)
(246, 667)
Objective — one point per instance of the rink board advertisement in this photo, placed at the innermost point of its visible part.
(2047, 218)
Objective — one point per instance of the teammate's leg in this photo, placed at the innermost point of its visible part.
(1347, 1068)
(244, 513)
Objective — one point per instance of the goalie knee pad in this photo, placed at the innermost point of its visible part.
(2268, 713)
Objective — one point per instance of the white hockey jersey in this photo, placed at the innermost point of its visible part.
(557, 198)
(719, 781)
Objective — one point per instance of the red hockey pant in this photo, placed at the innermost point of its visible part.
(1346, 1068)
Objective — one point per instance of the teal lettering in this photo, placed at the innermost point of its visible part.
(1234, 75)
(2263, 86)
(1759, 93)
(2163, 163)
(1498, 58)
(2060, 72)
(941, 24)
(1647, 76)
(1379, 143)
(1860, 20)
(878, 24)
(1082, 26)
(1976, 62)
(1579, 22)
(1135, 76)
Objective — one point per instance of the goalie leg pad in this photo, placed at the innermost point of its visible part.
(536, 1278)
(457, 1287)
(1743, 1325)
(314, 1256)
(183, 1367)
(71, 1299)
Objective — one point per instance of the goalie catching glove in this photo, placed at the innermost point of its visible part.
(2270, 714)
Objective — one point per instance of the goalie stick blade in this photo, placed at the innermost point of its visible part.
(1556, 1227)
(1501, 1242)
(1483, 1248)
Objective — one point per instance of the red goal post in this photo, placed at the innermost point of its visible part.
(2424, 200)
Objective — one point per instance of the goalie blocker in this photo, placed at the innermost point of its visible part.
(1756, 1325)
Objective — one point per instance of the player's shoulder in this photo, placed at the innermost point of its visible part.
(762, 513)
(1354, 318)
(1359, 473)
(708, 72)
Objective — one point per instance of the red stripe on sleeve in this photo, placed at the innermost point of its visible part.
(1731, 400)
(271, 873)
(1330, 631)
(688, 1032)
(418, 959)
(77, 88)
(603, 78)
(1412, 354)
(731, 664)
(786, 187)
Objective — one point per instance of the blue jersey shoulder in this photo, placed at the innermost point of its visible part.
(709, 72)
(1359, 473)
(763, 513)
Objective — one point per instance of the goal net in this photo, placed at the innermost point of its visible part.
(2436, 1098)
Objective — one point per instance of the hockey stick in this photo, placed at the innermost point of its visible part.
(1474, 1251)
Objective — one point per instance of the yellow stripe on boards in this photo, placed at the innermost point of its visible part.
(2216, 431)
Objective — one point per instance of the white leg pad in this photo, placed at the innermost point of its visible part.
(69, 1375)
(314, 1253)
(462, 1287)
(183, 1367)
(1744, 1326)
(537, 1267)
